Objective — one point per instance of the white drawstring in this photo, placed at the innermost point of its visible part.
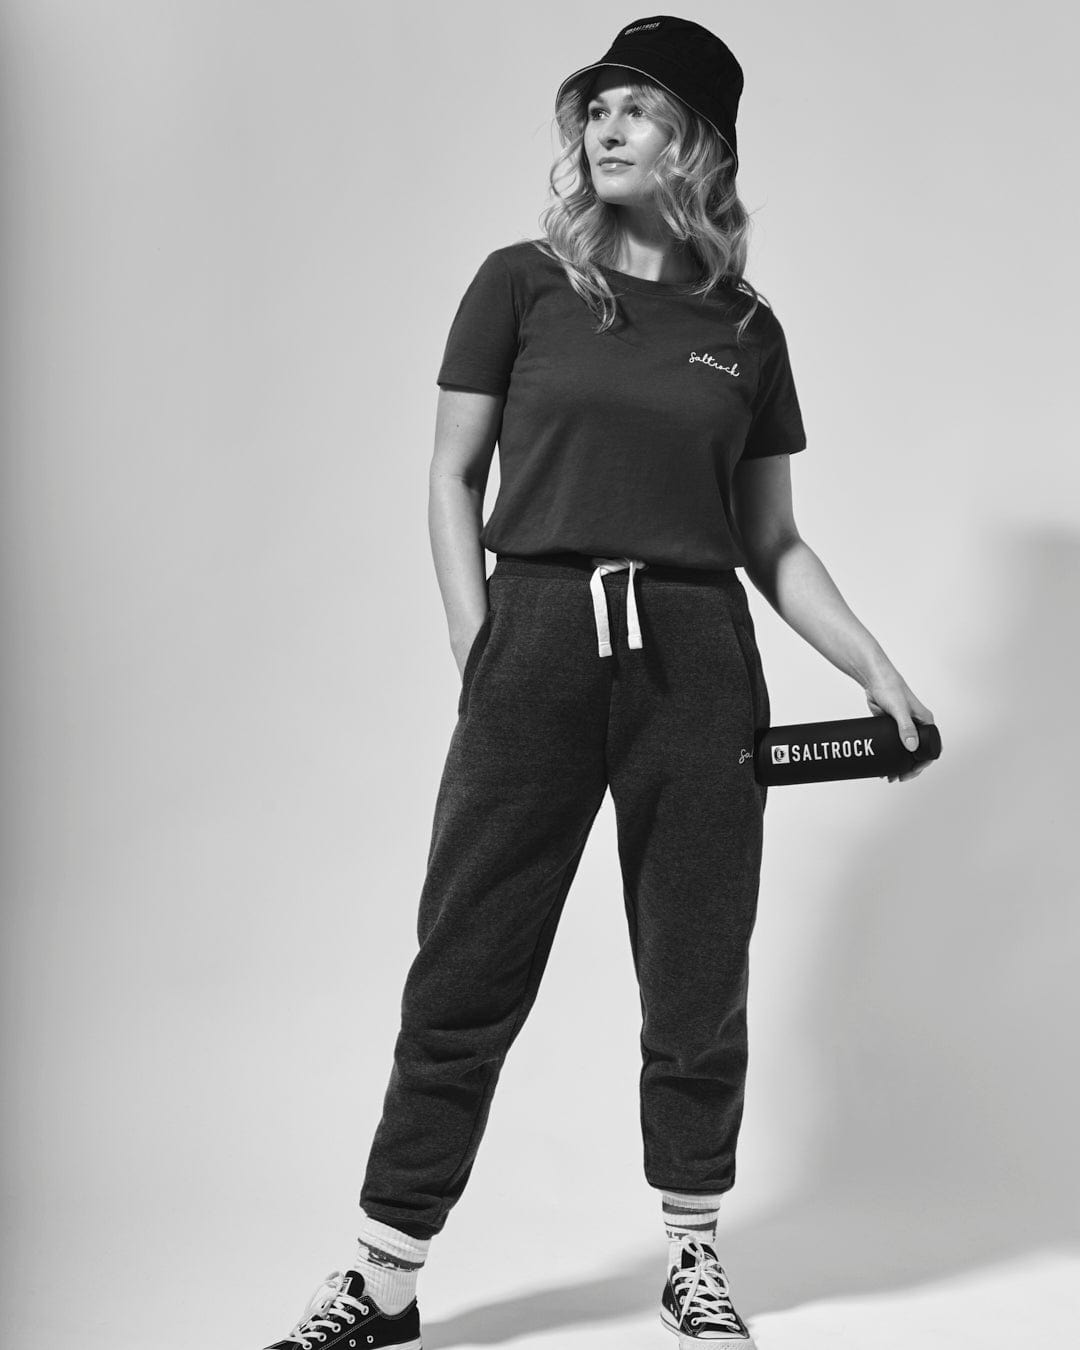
(596, 585)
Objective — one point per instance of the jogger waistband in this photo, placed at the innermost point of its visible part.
(567, 564)
(573, 564)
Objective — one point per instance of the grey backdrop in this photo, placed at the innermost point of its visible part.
(233, 238)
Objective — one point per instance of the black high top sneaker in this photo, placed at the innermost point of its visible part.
(339, 1317)
(696, 1304)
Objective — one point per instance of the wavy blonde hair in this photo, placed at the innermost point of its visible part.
(695, 195)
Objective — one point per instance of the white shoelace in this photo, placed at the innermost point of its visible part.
(596, 585)
(327, 1309)
(701, 1290)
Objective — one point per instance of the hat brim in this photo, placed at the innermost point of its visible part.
(622, 65)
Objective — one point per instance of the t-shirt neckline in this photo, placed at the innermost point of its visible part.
(646, 287)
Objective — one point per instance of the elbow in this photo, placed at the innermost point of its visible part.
(764, 552)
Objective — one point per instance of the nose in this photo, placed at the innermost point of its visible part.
(613, 133)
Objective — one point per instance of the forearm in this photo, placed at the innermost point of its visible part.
(797, 584)
(455, 517)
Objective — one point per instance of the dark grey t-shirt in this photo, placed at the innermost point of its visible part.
(620, 443)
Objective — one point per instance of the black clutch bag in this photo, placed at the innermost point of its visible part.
(855, 747)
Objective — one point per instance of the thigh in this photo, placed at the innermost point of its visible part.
(689, 811)
(523, 780)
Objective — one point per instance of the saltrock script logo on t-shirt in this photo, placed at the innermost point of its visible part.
(733, 369)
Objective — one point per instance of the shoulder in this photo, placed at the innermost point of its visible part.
(764, 324)
(524, 260)
(521, 252)
(765, 329)
(519, 275)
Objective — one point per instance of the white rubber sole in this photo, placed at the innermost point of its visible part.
(697, 1342)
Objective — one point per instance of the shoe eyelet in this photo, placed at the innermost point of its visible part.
(371, 1340)
(364, 1309)
(352, 1342)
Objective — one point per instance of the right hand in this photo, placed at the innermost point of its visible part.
(462, 646)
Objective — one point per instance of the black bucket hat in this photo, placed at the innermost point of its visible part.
(686, 60)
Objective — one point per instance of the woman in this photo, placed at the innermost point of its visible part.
(645, 412)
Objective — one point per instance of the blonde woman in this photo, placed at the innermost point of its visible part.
(643, 402)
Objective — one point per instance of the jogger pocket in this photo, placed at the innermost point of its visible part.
(743, 623)
(472, 659)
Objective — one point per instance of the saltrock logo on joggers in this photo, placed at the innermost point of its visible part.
(793, 753)
(708, 360)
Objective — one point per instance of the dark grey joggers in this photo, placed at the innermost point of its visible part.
(545, 726)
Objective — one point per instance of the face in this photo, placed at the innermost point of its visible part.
(621, 142)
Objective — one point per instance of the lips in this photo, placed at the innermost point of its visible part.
(611, 159)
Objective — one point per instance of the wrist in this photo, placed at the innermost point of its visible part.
(872, 666)
(461, 634)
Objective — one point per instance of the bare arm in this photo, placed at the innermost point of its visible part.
(467, 425)
(794, 580)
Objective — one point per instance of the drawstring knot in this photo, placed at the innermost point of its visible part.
(596, 585)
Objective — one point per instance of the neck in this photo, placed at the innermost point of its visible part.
(648, 250)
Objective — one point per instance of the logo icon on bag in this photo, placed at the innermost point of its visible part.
(781, 754)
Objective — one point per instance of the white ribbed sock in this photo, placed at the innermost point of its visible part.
(692, 1215)
(390, 1262)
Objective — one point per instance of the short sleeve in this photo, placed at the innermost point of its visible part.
(483, 341)
(776, 426)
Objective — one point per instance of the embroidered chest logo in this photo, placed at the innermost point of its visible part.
(708, 360)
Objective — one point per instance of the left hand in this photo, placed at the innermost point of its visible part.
(887, 692)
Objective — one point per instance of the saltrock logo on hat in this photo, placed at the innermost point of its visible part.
(685, 59)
